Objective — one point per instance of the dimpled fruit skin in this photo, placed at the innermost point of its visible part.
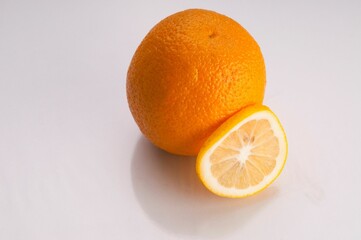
(192, 71)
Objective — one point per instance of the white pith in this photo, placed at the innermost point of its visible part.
(244, 154)
(212, 182)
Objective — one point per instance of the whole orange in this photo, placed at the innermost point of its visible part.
(191, 72)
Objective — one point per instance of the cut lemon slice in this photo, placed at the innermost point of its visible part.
(244, 155)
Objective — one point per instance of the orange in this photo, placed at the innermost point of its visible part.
(191, 72)
(244, 155)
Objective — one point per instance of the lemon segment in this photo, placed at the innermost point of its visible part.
(244, 155)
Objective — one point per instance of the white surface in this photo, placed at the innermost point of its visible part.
(73, 164)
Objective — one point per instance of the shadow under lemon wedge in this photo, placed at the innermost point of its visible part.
(244, 155)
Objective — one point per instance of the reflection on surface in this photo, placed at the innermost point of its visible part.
(170, 193)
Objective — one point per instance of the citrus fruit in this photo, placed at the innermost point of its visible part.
(191, 72)
(244, 155)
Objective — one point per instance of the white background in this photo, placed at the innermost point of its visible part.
(73, 164)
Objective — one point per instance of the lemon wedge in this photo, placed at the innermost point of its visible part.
(244, 155)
